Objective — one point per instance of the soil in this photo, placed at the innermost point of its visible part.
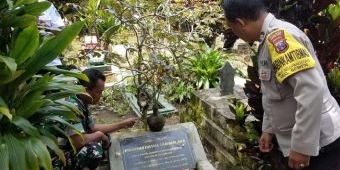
(107, 115)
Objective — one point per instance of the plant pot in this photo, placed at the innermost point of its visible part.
(156, 122)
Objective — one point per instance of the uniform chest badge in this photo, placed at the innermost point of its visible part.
(264, 74)
(279, 41)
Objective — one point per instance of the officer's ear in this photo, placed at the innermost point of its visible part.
(240, 22)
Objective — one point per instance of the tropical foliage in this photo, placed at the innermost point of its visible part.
(31, 105)
(204, 64)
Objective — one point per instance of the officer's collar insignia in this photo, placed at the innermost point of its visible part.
(278, 40)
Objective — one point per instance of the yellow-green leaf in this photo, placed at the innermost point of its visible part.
(5, 111)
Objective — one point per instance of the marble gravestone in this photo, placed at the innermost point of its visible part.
(176, 147)
(227, 82)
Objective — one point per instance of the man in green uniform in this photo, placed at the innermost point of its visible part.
(90, 145)
(298, 107)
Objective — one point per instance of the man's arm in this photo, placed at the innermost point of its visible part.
(109, 128)
(79, 141)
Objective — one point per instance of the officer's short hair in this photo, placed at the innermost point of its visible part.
(94, 75)
(245, 9)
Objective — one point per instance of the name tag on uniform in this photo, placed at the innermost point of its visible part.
(264, 74)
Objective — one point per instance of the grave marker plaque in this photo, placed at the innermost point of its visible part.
(176, 147)
(157, 151)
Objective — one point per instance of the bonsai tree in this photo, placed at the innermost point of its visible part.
(31, 105)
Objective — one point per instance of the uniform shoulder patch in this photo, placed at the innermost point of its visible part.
(287, 54)
(278, 40)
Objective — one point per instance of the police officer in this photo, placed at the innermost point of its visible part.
(298, 107)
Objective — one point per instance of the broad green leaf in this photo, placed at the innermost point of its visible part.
(10, 4)
(30, 8)
(334, 10)
(28, 99)
(23, 2)
(63, 122)
(59, 95)
(31, 159)
(10, 63)
(76, 89)
(110, 31)
(57, 129)
(28, 108)
(72, 73)
(36, 8)
(18, 21)
(64, 79)
(50, 50)
(4, 156)
(199, 83)
(42, 153)
(44, 132)
(53, 146)
(25, 125)
(16, 152)
(63, 111)
(25, 44)
(69, 105)
(206, 84)
(5, 80)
